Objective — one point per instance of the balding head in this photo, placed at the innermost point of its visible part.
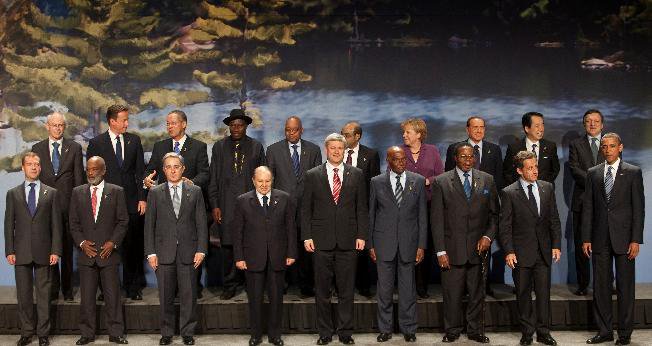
(56, 125)
(263, 179)
(293, 129)
(95, 170)
(396, 159)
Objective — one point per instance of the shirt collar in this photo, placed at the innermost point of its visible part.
(614, 165)
(355, 149)
(113, 135)
(330, 166)
(474, 143)
(170, 185)
(393, 175)
(60, 141)
(37, 182)
(181, 141)
(260, 195)
(598, 137)
(99, 186)
(461, 172)
(524, 184)
(298, 144)
(528, 143)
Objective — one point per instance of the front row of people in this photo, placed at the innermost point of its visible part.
(466, 216)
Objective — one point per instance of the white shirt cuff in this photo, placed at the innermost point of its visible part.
(152, 255)
(441, 253)
(484, 236)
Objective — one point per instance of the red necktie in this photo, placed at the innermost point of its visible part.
(337, 186)
(94, 201)
(349, 158)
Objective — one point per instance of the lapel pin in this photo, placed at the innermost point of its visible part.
(45, 192)
(184, 149)
(489, 151)
(66, 150)
(128, 142)
(364, 159)
(275, 202)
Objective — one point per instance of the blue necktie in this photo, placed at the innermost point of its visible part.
(176, 147)
(55, 158)
(265, 205)
(295, 160)
(467, 186)
(118, 150)
(31, 199)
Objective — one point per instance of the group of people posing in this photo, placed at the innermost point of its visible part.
(282, 208)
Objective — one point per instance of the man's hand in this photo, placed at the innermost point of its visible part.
(54, 259)
(199, 257)
(217, 215)
(187, 181)
(107, 249)
(443, 262)
(149, 180)
(359, 244)
(88, 247)
(372, 254)
(483, 245)
(142, 206)
(511, 261)
(632, 252)
(153, 262)
(586, 247)
(242, 265)
(309, 245)
(289, 261)
(11, 259)
(556, 255)
(420, 254)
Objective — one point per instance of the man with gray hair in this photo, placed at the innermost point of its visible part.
(61, 168)
(334, 222)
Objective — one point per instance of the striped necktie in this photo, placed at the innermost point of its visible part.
(608, 183)
(398, 192)
(337, 185)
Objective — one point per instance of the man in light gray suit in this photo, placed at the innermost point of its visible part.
(289, 159)
(398, 224)
(176, 240)
(32, 246)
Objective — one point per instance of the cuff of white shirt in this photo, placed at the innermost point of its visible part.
(152, 255)
(441, 253)
(82, 243)
(489, 239)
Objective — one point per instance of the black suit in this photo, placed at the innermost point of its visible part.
(491, 160)
(279, 161)
(264, 239)
(32, 239)
(610, 226)
(70, 174)
(547, 160)
(111, 225)
(531, 235)
(334, 229)
(129, 176)
(580, 159)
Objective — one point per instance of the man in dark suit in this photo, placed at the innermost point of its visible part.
(398, 234)
(487, 157)
(530, 233)
(289, 160)
(125, 166)
(195, 158)
(176, 240)
(62, 168)
(464, 222)
(32, 245)
(233, 161)
(368, 160)
(583, 153)
(264, 225)
(613, 217)
(334, 221)
(98, 223)
(544, 150)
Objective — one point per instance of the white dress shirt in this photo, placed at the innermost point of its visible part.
(113, 137)
(98, 194)
(340, 173)
(37, 189)
(528, 146)
(479, 144)
(298, 144)
(260, 198)
(392, 180)
(51, 142)
(354, 155)
(614, 169)
(535, 192)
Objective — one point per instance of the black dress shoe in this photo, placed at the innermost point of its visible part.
(165, 340)
(580, 292)
(226, 295)
(324, 340)
(24, 340)
(307, 293)
(483, 339)
(410, 337)
(346, 339)
(598, 339)
(200, 295)
(69, 297)
(490, 292)
(188, 340)
(525, 340)
(382, 337)
(118, 340)
(276, 341)
(137, 296)
(43, 341)
(449, 338)
(546, 339)
(623, 340)
(423, 294)
(365, 293)
(100, 297)
(253, 341)
(84, 341)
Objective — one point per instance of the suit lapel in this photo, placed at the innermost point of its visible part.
(110, 159)
(326, 183)
(106, 193)
(362, 157)
(22, 197)
(273, 202)
(88, 206)
(168, 199)
(42, 193)
(346, 176)
(620, 175)
(288, 159)
(457, 184)
(523, 196)
(601, 181)
(46, 159)
(476, 184)
(255, 203)
(187, 146)
(65, 155)
(389, 184)
(185, 197)
(585, 147)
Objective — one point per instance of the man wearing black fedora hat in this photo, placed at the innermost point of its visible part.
(233, 161)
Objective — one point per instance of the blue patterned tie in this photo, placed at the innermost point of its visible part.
(176, 147)
(55, 157)
(467, 186)
(31, 199)
(608, 183)
(295, 160)
(118, 150)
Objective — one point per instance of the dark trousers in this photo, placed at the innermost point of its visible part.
(89, 277)
(232, 276)
(305, 267)
(625, 283)
(582, 264)
(342, 265)
(525, 278)
(169, 277)
(133, 247)
(454, 282)
(364, 275)
(257, 282)
(407, 295)
(29, 276)
(62, 277)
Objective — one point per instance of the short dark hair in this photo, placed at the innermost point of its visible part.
(461, 145)
(29, 154)
(113, 110)
(468, 121)
(180, 113)
(611, 135)
(591, 111)
(526, 121)
(522, 156)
